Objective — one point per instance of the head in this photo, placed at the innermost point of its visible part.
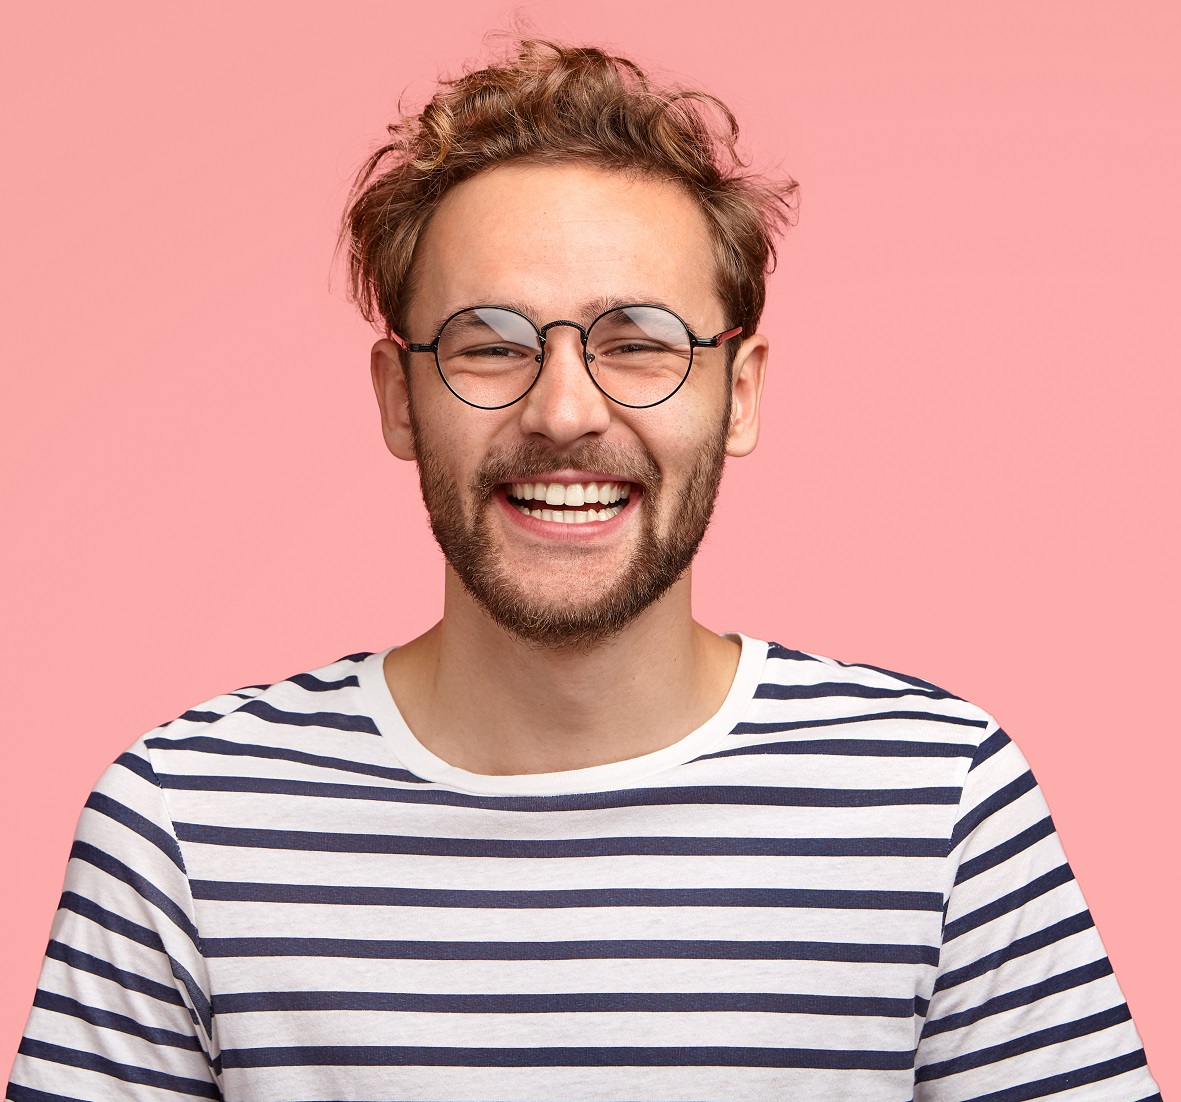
(560, 181)
(551, 104)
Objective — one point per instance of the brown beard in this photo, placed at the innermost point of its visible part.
(655, 564)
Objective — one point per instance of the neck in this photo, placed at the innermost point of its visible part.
(485, 701)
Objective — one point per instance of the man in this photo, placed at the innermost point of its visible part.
(568, 843)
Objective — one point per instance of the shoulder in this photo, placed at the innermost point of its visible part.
(808, 696)
(327, 697)
(320, 711)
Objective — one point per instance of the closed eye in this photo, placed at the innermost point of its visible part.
(634, 346)
(494, 351)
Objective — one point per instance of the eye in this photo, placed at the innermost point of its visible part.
(632, 346)
(493, 352)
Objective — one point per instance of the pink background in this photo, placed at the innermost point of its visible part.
(969, 463)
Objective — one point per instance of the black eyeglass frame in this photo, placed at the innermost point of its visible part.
(694, 342)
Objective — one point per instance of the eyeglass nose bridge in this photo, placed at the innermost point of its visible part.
(583, 334)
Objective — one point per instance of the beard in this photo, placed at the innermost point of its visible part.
(655, 563)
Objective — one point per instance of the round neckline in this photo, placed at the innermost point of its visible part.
(415, 757)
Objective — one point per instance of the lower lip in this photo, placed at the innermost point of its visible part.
(562, 530)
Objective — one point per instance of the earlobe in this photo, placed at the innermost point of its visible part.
(393, 398)
(746, 390)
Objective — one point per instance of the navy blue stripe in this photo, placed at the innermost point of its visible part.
(17, 1093)
(544, 848)
(105, 1019)
(999, 854)
(995, 742)
(718, 795)
(854, 748)
(194, 715)
(1031, 943)
(1047, 882)
(136, 822)
(96, 966)
(906, 679)
(336, 721)
(1065, 981)
(359, 895)
(1002, 797)
(117, 924)
(1093, 1073)
(562, 1057)
(1031, 1042)
(313, 684)
(137, 765)
(869, 717)
(774, 690)
(207, 744)
(593, 1002)
(42, 1050)
(778, 650)
(92, 855)
(637, 949)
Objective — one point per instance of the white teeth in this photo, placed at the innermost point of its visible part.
(575, 494)
(571, 516)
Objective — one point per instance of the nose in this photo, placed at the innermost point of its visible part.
(564, 404)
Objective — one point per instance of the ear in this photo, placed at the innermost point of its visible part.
(393, 398)
(746, 391)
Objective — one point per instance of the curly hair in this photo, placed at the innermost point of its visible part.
(550, 103)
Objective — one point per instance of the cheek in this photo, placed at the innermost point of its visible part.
(678, 436)
(457, 438)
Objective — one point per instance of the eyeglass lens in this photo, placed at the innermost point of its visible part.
(637, 355)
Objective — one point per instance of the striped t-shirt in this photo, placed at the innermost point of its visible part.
(844, 886)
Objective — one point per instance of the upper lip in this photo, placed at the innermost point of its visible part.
(569, 478)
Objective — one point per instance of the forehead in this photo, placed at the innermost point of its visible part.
(562, 237)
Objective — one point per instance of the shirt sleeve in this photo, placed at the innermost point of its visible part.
(122, 1009)
(1025, 1004)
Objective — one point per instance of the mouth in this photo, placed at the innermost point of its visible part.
(569, 502)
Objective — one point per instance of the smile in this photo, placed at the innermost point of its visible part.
(565, 502)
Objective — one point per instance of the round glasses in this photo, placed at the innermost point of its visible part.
(638, 355)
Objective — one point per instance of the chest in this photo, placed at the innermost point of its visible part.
(410, 948)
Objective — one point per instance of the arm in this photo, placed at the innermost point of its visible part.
(1025, 1004)
(122, 1009)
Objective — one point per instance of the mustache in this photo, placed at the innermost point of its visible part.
(532, 458)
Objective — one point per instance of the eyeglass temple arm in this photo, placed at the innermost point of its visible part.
(410, 346)
(713, 342)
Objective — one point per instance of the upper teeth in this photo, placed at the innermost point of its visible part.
(570, 493)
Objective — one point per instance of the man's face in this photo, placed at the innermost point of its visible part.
(503, 487)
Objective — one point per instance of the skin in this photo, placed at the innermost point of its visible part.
(557, 239)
